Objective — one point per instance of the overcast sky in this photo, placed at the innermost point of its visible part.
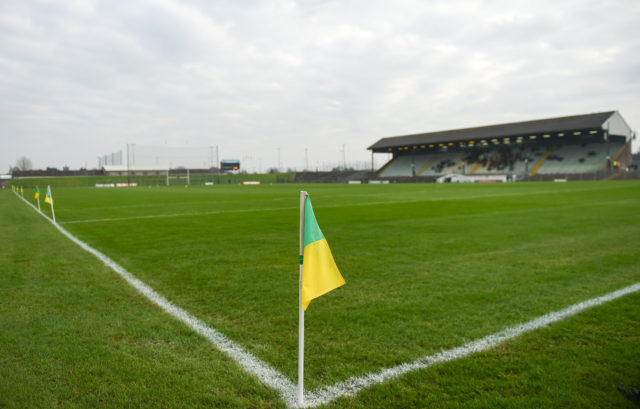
(82, 78)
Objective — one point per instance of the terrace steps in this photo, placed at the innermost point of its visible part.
(535, 168)
(475, 169)
(431, 162)
(618, 152)
(382, 169)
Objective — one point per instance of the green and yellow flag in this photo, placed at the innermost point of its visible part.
(37, 194)
(21, 189)
(319, 271)
(47, 197)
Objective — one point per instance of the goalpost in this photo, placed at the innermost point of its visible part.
(178, 164)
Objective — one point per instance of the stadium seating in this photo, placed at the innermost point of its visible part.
(569, 159)
(445, 163)
(516, 159)
(403, 165)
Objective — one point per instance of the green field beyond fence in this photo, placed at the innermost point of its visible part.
(175, 179)
(428, 267)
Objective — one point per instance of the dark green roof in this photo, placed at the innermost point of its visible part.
(566, 123)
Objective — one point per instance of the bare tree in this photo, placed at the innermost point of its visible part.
(24, 163)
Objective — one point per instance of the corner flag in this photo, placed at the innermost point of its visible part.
(318, 275)
(319, 271)
(37, 197)
(47, 197)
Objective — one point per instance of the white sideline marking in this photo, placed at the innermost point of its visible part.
(287, 389)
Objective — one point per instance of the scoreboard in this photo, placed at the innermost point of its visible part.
(230, 165)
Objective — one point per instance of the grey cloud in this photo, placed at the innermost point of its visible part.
(259, 75)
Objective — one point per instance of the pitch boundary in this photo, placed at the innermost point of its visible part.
(285, 388)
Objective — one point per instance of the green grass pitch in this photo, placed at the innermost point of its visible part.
(428, 267)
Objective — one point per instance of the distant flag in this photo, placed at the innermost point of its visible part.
(37, 197)
(49, 199)
(318, 274)
(21, 191)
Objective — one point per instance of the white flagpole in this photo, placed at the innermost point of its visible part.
(303, 196)
(38, 199)
(51, 197)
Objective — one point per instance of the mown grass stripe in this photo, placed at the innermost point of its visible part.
(212, 212)
(372, 203)
(171, 215)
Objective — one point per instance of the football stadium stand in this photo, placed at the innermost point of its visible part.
(590, 144)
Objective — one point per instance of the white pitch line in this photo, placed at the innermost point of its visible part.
(354, 385)
(286, 389)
